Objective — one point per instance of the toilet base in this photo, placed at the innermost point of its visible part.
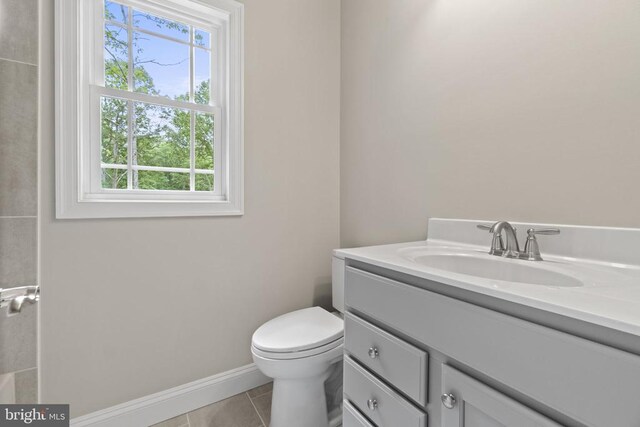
(299, 402)
(298, 398)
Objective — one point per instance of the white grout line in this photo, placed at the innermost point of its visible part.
(250, 400)
(256, 409)
(18, 62)
(260, 395)
(22, 370)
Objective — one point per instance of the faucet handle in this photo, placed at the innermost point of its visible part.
(543, 231)
(531, 248)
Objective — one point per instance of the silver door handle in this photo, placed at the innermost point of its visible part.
(14, 298)
(373, 352)
(448, 400)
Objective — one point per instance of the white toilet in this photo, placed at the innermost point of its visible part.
(299, 350)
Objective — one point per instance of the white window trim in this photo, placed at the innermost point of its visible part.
(76, 197)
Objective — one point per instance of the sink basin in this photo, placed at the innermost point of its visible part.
(495, 268)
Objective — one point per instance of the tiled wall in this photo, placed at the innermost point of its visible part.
(18, 186)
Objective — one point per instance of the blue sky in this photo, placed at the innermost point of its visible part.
(170, 67)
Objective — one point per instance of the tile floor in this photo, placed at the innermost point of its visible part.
(250, 409)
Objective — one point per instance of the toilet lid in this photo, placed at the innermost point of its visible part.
(299, 330)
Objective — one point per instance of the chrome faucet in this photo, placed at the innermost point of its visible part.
(512, 249)
(14, 298)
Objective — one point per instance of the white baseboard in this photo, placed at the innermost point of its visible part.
(170, 403)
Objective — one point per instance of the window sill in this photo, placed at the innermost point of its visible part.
(121, 208)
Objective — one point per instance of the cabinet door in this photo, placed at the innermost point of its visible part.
(477, 405)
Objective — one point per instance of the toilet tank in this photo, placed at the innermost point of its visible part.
(337, 282)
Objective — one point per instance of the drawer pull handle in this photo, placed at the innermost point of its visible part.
(372, 404)
(448, 400)
(374, 353)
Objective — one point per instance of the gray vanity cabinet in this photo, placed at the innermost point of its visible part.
(403, 340)
(470, 403)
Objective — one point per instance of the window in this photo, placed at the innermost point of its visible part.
(149, 108)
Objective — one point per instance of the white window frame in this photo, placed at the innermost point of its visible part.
(79, 85)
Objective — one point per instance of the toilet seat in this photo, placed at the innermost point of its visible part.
(298, 354)
(302, 333)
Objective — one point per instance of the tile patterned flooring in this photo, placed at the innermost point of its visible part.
(250, 409)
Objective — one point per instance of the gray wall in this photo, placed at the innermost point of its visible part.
(18, 185)
(135, 306)
(499, 109)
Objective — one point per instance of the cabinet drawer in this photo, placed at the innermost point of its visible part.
(568, 374)
(391, 409)
(351, 417)
(399, 363)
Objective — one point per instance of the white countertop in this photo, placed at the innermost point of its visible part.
(609, 295)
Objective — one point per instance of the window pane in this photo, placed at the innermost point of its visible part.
(202, 75)
(161, 67)
(162, 136)
(204, 141)
(115, 12)
(204, 182)
(116, 57)
(202, 38)
(152, 180)
(160, 25)
(114, 178)
(114, 130)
